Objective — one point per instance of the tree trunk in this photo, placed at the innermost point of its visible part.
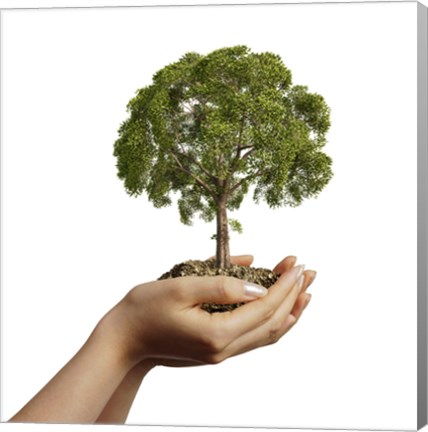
(223, 252)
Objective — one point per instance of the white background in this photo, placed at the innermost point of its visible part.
(73, 242)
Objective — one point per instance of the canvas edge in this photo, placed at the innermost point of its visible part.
(1, 214)
(422, 167)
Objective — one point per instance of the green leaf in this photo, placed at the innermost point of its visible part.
(235, 225)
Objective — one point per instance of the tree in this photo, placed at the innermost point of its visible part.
(210, 126)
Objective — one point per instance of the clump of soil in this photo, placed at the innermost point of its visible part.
(260, 276)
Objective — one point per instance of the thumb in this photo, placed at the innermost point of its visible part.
(220, 289)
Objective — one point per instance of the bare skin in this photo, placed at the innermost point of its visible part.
(99, 384)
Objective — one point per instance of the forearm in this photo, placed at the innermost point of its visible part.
(79, 392)
(118, 407)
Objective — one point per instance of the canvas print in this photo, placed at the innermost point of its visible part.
(213, 215)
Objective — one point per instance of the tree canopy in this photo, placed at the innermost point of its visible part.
(210, 126)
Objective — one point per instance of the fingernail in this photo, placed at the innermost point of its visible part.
(299, 270)
(254, 290)
(300, 281)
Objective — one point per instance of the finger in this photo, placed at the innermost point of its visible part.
(291, 316)
(295, 314)
(268, 333)
(254, 314)
(285, 265)
(243, 260)
(300, 305)
(285, 310)
(285, 285)
(217, 289)
(310, 276)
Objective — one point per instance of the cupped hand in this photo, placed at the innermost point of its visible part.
(163, 321)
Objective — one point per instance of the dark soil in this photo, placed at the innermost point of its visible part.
(260, 276)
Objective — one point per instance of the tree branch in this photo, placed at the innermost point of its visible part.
(252, 149)
(193, 160)
(239, 147)
(243, 180)
(250, 146)
(194, 177)
(239, 158)
(241, 130)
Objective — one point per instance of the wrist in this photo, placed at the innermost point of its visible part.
(117, 328)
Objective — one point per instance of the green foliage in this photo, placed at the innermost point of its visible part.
(235, 225)
(210, 126)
